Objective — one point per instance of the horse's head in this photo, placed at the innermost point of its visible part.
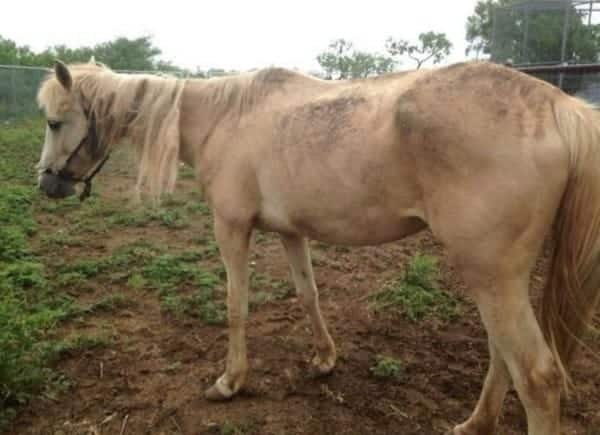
(70, 149)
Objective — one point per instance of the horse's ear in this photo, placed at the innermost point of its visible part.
(63, 75)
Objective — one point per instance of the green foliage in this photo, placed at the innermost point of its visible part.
(431, 46)
(201, 305)
(416, 294)
(170, 218)
(108, 303)
(386, 367)
(244, 428)
(530, 36)
(168, 271)
(341, 61)
(30, 308)
(13, 244)
(121, 53)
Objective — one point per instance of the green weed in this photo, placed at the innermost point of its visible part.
(244, 428)
(386, 367)
(416, 294)
(201, 305)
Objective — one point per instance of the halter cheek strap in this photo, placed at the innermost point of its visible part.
(92, 139)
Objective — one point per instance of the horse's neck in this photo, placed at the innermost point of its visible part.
(201, 114)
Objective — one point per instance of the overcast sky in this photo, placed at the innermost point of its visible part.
(235, 34)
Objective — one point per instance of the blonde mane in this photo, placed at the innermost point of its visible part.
(142, 108)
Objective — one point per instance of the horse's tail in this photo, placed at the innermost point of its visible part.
(573, 288)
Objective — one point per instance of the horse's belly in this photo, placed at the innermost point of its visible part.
(361, 226)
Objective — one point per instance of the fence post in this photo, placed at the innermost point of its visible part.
(565, 35)
(13, 87)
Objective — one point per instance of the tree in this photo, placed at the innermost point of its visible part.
(12, 54)
(336, 60)
(431, 46)
(138, 54)
(530, 34)
(341, 62)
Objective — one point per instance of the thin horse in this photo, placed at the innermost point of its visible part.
(492, 160)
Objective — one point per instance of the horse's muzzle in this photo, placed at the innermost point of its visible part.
(55, 186)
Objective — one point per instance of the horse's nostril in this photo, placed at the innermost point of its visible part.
(56, 187)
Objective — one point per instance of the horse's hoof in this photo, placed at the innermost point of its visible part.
(219, 392)
(325, 366)
(463, 429)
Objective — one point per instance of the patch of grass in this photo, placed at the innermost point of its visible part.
(86, 268)
(243, 428)
(170, 218)
(129, 219)
(261, 280)
(106, 304)
(260, 297)
(69, 279)
(15, 208)
(198, 206)
(387, 367)
(76, 344)
(186, 172)
(60, 239)
(30, 307)
(201, 305)
(62, 207)
(416, 294)
(167, 217)
(118, 267)
(137, 281)
(13, 244)
(20, 145)
(167, 271)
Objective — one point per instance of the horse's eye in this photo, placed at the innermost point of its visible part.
(54, 125)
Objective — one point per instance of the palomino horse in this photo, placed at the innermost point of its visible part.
(490, 159)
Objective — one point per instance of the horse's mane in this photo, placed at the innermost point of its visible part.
(143, 108)
(239, 94)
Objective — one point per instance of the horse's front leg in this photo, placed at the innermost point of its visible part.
(233, 241)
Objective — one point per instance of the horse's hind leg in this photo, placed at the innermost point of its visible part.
(233, 240)
(514, 332)
(485, 417)
(298, 254)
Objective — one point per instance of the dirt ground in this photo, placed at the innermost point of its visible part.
(151, 377)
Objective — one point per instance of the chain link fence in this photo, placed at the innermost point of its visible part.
(545, 32)
(582, 81)
(19, 86)
(18, 89)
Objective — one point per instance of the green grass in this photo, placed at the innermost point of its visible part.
(168, 272)
(60, 239)
(30, 305)
(243, 428)
(201, 305)
(416, 294)
(386, 367)
(143, 266)
(34, 281)
(106, 304)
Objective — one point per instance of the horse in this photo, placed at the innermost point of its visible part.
(493, 161)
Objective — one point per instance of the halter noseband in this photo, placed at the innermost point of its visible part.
(91, 137)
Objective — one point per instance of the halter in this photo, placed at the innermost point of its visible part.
(92, 138)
